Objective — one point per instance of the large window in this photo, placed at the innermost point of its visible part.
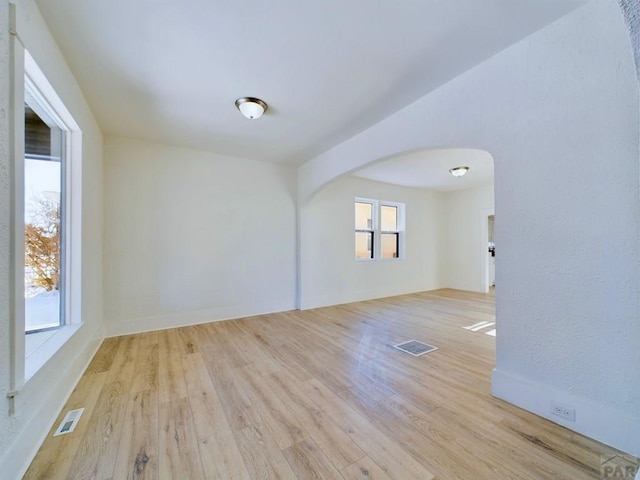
(46, 261)
(44, 222)
(379, 230)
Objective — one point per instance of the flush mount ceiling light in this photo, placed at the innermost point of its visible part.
(458, 171)
(251, 107)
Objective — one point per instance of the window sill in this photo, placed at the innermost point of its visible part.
(46, 347)
(376, 260)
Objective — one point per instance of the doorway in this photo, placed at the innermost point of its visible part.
(488, 249)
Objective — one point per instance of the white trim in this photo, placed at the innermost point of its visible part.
(27, 75)
(42, 354)
(58, 111)
(593, 420)
(390, 290)
(182, 319)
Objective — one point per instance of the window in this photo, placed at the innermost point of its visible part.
(46, 263)
(364, 230)
(389, 231)
(379, 229)
(44, 222)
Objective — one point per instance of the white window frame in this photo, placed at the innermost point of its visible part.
(25, 71)
(374, 222)
(377, 232)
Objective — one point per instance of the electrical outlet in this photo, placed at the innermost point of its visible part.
(564, 411)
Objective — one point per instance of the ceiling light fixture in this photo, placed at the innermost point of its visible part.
(458, 171)
(251, 107)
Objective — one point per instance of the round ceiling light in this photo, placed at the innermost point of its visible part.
(458, 171)
(251, 107)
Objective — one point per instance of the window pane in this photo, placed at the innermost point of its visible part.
(364, 245)
(388, 218)
(389, 245)
(364, 216)
(42, 223)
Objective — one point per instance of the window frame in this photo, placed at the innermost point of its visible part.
(398, 231)
(45, 111)
(26, 75)
(378, 232)
(370, 231)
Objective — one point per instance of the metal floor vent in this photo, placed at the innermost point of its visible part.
(415, 348)
(69, 422)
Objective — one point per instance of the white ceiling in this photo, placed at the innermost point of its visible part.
(430, 169)
(169, 71)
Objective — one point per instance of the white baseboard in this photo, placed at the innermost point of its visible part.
(307, 302)
(22, 451)
(183, 319)
(593, 420)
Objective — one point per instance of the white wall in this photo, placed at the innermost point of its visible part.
(580, 294)
(40, 400)
(562, 100)
(193, 237)
(329, 273)
(466, 246)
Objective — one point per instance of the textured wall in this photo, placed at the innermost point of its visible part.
(193, 237)
(562, 100)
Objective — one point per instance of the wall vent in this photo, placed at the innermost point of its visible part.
(69, 422)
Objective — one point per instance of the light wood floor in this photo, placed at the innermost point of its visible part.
(319, 394)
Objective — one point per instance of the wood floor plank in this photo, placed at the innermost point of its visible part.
(138, 457)
(171, 382)
(392, 459)
(104, 356)
(235, 400)
(338, 446)
(263, 351)
(187, 340)
(309, 463)
(275, 415)
(312, 394)
(98, 449)
(148, 366)
(218, 450)
(435, 444)
(364, 469)
(178, 445)
(261, 454)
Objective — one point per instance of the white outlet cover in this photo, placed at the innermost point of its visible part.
(563, 411)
